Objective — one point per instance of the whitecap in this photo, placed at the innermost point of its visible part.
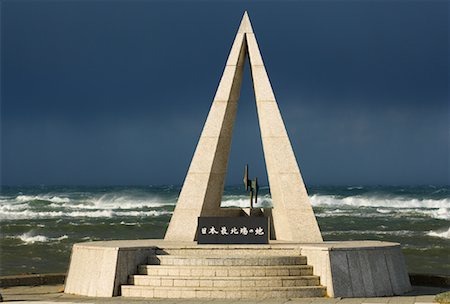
(364, 201)
(441, 213)
(243, 201)
(373, 232)
(128, 224)
(29, 238)
(63, 237)
(29, 214)
(116, 201)
(110, 202)
(13, 207)
(440, 234)
(143, 213)
(53, 199)
(381, 210)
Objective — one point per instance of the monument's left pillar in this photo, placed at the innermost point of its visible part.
(204, 183)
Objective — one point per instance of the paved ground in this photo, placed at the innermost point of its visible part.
(53, 294)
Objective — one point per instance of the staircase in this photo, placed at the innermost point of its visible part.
(224, 276)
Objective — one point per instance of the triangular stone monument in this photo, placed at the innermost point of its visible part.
(292, 215)
(341, 269)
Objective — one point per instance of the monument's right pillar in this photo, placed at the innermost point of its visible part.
(293, 216)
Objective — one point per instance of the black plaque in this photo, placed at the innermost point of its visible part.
(233, 230)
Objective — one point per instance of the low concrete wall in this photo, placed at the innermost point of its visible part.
(32, 279)
(434, 280)
(359, 269)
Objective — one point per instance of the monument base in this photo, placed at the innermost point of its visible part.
(345, 269)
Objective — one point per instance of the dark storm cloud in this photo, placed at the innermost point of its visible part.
(113, 92)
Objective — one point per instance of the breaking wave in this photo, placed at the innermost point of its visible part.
(105, 201)
(54, 199)
(244, 201)
(29, 238)
(79, 205)
(160, 202)
(351, 201)
(372, 232)
(333, 205)
(440, 234)
(367, 201)
(31, 214)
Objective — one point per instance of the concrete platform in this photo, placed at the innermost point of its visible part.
(53, 294)
(346, 269)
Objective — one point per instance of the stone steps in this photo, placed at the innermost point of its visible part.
(223, 271)
(288, 281)
(224, 276)
(223, 292)
(241, 260)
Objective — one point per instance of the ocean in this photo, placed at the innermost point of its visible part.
(38, 225)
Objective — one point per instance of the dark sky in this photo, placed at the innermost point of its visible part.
(116, 92)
